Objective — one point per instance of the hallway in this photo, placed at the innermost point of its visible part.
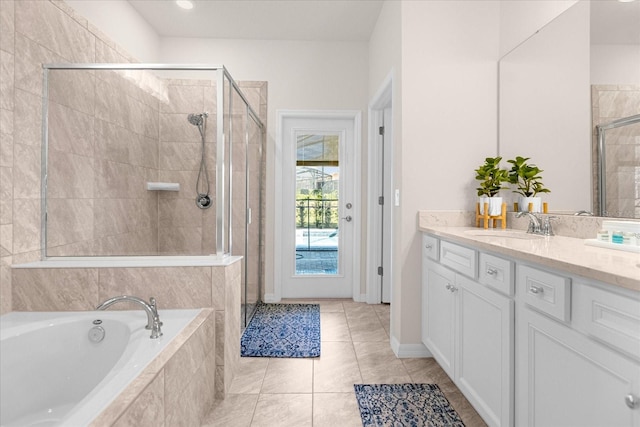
(274, 392)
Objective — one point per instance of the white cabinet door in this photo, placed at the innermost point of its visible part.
(438, 314)
(484, 363)
(565, 379)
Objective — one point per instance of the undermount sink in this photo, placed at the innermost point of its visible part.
(505, 234)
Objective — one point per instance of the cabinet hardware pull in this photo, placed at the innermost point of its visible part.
(631, 401)
(448, 287)
(491, 271)
(428, 246)
(536, 290)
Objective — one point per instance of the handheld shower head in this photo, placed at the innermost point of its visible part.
(197, 119)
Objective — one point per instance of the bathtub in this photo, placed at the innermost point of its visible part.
(52, 373)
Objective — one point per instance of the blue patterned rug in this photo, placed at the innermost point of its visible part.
(283, 330)
(404, 405)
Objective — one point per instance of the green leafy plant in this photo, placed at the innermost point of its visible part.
(526, 177)
(491, 177)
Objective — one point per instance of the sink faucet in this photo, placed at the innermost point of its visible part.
(534, 222)
(153, 319)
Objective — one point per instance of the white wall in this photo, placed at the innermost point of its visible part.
(123, 24)
(520, 19)
(449, 115)
(615, 64)
(300, 75)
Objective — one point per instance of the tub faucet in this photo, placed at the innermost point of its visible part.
(153, 319)
(534, 222)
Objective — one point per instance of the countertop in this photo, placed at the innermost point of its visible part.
(615, 267)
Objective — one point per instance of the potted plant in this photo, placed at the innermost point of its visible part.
(528, 182)
(491, 178)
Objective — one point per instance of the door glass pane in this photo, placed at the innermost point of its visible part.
(317, 202)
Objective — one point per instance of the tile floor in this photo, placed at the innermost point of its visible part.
(274, 392)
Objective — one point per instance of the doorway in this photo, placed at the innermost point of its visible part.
(317, 212)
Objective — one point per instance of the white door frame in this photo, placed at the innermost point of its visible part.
(381, 101)
(281, 116)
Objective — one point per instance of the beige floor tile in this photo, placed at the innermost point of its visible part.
(336, 409)
(334, 327)
(251, 372)
(336, 370)
(283, 410)
(379, 365)
(236, 410)
(303, 392)
(288, 376)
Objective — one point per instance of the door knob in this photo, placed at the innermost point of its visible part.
(347, 218)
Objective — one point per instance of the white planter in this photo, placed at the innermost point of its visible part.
(523, 204)
(495, 205)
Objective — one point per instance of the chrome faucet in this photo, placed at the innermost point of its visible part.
(153, 319)
(534, 222)
(546, 228)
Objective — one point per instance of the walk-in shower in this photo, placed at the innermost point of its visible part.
(203, 201)
(122, 163)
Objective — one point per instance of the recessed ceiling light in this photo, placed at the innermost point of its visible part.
(185, 4)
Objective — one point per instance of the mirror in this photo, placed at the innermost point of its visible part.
(580, 70)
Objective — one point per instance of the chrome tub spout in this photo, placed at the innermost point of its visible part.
(153, 319)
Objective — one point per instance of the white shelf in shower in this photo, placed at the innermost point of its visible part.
(163, 186)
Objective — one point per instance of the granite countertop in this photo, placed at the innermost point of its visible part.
(570, 254)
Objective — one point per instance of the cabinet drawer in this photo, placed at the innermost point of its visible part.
(610, 317)
(496, 273)
(430, 247)
(545, 291)
(459, 258)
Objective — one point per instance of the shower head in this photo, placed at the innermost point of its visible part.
(197, 119)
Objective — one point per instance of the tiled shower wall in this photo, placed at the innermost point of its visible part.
(609, 103)
(48, 31)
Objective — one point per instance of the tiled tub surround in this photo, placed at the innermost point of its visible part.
(183, 359)
(59, 286)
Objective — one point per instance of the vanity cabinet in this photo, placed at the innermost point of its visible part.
(531, 346)
(468, 327)
(566, 379)
(579, 344)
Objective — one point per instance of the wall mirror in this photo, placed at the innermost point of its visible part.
(579, 71)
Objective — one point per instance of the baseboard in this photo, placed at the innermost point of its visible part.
(406, 351)
(270, 298)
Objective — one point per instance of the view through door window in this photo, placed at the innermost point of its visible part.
(317, 203)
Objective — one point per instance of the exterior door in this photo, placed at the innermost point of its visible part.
(317, 212)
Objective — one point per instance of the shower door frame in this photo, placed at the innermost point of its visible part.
(221, 74)
(602, 159)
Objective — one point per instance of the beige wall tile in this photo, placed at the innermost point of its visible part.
(179, 213)
(28, 119)
(6, 142)
(173, 287)
(117, 216)
(69, 221)
(180, 241)
(70, 131)
(139, 242)
(7, 25)
(6, 80)
(54, 29)
(185, 100)
(5, 285)
(6, 240)
(6, 195)
(54, 289)
(26, 172)
(70, 176)
(74, 89)
(26, 225)
(147, 409)
(28, 65)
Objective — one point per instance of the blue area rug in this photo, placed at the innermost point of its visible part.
(405, 405)
(283, 330)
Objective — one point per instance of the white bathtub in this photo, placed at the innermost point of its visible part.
(52, 374)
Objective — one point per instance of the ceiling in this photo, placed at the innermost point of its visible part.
(329, 20)
(309, 20)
